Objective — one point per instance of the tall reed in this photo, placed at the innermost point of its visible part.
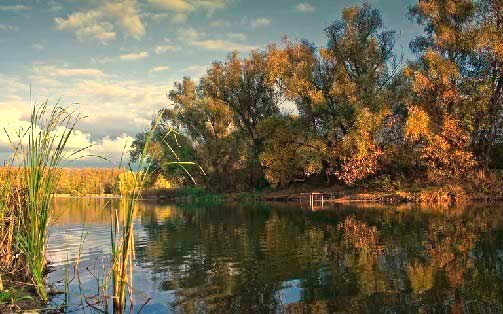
(122, 223)
(42, 156)
(12, 201)
(122, 228)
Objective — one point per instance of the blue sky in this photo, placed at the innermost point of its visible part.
(118, 59)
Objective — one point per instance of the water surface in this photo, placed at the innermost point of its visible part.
(278, 258)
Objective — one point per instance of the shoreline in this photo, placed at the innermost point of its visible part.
(337, 195)
(97, 196)
(427, 194)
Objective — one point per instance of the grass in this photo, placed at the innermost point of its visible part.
(48, 134)
(122, 222)
(122, 230)
(27, 192)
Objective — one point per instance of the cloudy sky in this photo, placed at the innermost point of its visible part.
(114, 61)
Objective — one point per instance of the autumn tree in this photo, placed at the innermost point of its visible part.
(243, 86)
(209, 123)
(341, 88)
(290, 150)
(457, 83)
(358, 112)
(168, 154)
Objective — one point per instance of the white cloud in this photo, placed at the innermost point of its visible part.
(134, 56)
(218, 44)
(173, 5)
(159, 69)
(173, 18)
(187, 6)
(126, 15)
(195, 70)
(14, 8)
(104, 60)
(53, 6)
(165, 48)
(12, 28)
(220, 23)
(53, 71)
(86, 25)
(192, 37)
(260, 22)
(305, 7)
(179, 18)
(99, 24)
(116, 109)
(236, 36)
(111, 149)
(190, 34)
(79, 141)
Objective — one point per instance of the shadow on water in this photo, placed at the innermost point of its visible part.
(279, 258)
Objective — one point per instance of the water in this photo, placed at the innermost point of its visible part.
(278, 258)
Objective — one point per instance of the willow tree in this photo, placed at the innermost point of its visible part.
(209, 123)
(242, 86)
(342, 91)
(457, 84)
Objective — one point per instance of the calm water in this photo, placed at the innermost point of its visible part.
(274, 258)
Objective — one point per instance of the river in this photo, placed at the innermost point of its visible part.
(286, 258)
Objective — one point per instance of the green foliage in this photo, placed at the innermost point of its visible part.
(289, 152)
(12, 297)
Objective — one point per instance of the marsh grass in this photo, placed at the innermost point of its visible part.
(49, 131)
(27, 190)
(26, 204)
(122, 230)
(122, 222)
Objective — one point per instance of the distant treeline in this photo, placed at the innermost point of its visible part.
(89, 181)
(357, 111)
(81, 181)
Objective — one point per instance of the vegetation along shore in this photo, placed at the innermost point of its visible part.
(349, 120)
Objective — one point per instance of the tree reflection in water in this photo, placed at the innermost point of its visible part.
(275, 258)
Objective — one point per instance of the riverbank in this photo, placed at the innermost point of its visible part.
(64, 195)
(19, 296)
(337, 194)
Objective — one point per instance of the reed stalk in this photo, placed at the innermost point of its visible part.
(122, 223)
(122, 228)
(48, 133)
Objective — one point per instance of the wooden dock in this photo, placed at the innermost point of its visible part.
(317, 199)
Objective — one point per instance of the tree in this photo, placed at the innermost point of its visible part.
(209, 123)
(459, 74)
(243, 86)
(168, 147)
(340, 86)
(289, 151)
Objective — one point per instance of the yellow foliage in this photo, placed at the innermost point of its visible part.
(128, 182)
(360, 154)
(421, 277)
(162, 183)
(448, 156)
(417, 124)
